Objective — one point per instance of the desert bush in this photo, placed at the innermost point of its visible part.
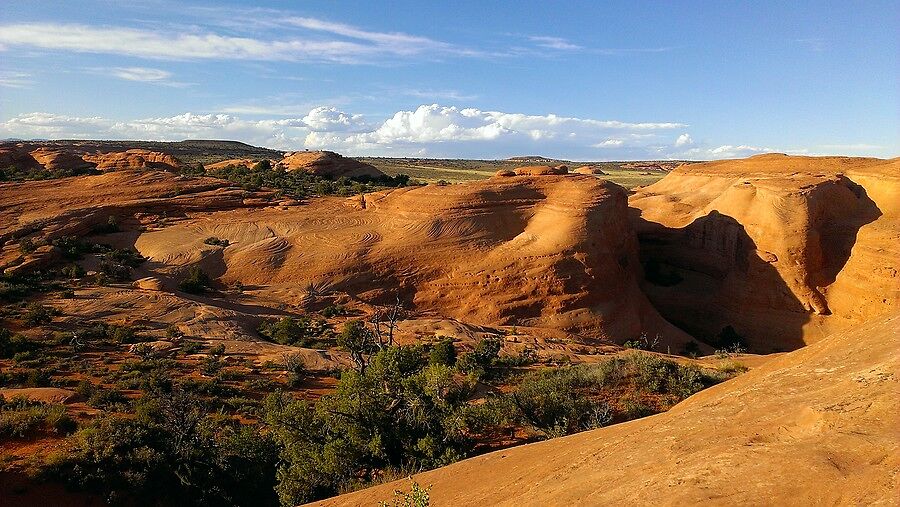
(555, 402)
(301, 331)
(191, 347)
(196, 281)
(400, 412)
(21, 418)
(358, 340)
(481, 359)
(110, 226)
(98, 396)
(12, 344)
(295, 368)
(27, 246)
(214, 241)
(37, 314)
(122, 334)
(443, 352)
(691, 349)
(417, 496)
(125, 257)
(72, 271)
(526, 357)
(643, 342)
(172, 454)
(730, 367)
(334, 311)
(72, 248)
(213, 362)
(730, 341)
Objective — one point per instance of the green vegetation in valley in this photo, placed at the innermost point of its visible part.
(297, 184)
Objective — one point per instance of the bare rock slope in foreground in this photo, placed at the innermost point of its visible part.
(818, 426)
(784, 249)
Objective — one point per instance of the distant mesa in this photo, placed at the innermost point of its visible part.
(541, 170)
(329, 164)
(533, 159)
(651, 166)
(133, 159)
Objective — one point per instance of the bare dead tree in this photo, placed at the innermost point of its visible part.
(384, 322)
(315, 291)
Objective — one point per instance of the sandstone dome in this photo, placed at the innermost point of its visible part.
(329, 164)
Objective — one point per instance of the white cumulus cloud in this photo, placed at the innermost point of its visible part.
(330, 119)
(684, 140)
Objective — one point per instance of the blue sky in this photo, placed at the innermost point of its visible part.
(478, 79)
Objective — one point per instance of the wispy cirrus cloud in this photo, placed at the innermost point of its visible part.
(554, 43)
(453, 95)
(15, 79)
(145, 75)
(815, 44)
(348, 44)
(142, 74)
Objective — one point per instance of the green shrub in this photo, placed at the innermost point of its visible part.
(196, 281)
(38, 314)
(479, 361)
(729, 340)
(400, 412)
(334, 311)
(416, 497)
(13, 344)
(20, 418)
(110, 226)
(691, 349)
(191, 347)
(556, 402)
(295, 368)
(171, 454)
(443, 352)
(27, 246)
(214, 241)
(301, 331)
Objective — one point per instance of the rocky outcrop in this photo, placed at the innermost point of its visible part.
(133, 159)
(783, 249)
(60, 160)
(43, 210)
(551, 251)
(328, 164)
(237, 162)
(541, 170)
(18, 158)
(589, 169)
